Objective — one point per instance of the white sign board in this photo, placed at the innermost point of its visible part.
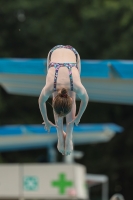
(43, 181)
(9, 181)
(57, 181)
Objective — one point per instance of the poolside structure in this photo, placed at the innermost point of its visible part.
(106, 81)
(109, 81)
(23, 137)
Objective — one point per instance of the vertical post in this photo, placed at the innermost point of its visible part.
(69, 158)
(74, 154)
(105, 191)
(51, 154)
(21, 174)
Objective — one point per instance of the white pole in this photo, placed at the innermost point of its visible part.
(52, 155)
(69, 158)
(105, 191)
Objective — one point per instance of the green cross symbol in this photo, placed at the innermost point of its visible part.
(30, 183)
(62, 183)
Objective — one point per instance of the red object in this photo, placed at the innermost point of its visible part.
(72, 192)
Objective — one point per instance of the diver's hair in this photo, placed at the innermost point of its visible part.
(62, 103)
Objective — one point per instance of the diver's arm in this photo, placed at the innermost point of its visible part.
(82, 94)
(45, 93)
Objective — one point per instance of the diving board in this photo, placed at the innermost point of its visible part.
(109, 81)
(22, 137)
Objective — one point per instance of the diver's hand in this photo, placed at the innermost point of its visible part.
(48, 124)
(76, 121)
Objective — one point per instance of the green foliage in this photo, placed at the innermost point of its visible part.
(98, 29)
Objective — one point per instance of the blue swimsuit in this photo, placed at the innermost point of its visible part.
(68, 65)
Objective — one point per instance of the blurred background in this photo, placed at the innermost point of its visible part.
(99, 30)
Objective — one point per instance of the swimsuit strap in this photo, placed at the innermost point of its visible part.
(69, 67)
(57, 66)
(66, 47)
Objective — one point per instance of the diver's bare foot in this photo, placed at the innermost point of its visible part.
(61, 143)
(68, 146)
(60, 146)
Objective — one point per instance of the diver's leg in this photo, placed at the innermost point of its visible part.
(60, 133)
(69, 128)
